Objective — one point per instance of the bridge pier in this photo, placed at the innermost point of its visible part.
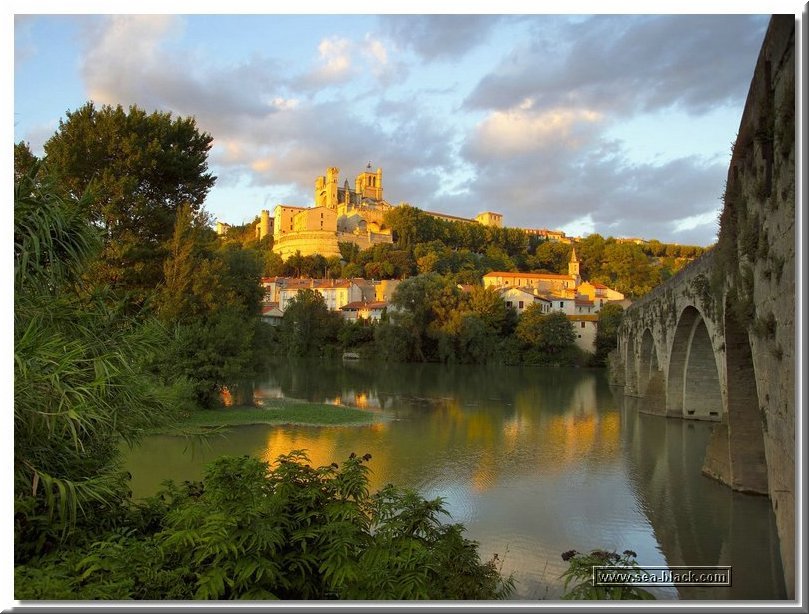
(721, 331)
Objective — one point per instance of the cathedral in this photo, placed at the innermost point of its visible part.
(340, 214)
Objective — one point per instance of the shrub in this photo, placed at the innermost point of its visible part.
(581, 571)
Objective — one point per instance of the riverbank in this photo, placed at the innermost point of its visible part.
(278, 412)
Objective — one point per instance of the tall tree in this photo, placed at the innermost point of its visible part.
(139, 169)
(308, 325)
(550, 333)
(24, 160)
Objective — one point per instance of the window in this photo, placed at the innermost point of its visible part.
(582, 324)
(508, 304)
(561, 304)
(521, 304)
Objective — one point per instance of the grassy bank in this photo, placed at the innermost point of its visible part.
(274, 411)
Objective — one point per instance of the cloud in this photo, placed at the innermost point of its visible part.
(529, 141)
(622, 65)
(438, 37)
(521, 130)
(334, 64)
(25, 47)
(127, 63)
(554, 168)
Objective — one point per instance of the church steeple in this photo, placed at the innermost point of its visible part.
(573, 267)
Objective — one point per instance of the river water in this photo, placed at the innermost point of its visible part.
(532, 461)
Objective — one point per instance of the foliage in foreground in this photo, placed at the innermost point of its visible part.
(79, 386)
(581, 573)
(296, 532)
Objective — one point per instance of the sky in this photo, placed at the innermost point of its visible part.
(616, 124)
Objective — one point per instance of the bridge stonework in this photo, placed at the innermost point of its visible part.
(717, 341)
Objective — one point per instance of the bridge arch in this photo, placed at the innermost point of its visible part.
(748, 463)
(693, 390)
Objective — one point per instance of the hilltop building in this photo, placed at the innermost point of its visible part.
(340, 213)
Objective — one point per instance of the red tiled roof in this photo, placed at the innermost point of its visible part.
(527, 275)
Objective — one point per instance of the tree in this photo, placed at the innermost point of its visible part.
(628, 270)
(548, 339)
(550, 257)
(79, 383)
(24, 161)
(189, 254)
(609, 320)
(490, 307)
(426, 304)
(211, 298)
(308, 325)
(590, 252)
(550, 332)
(139, 169)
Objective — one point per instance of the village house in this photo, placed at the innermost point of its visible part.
(271, 313)
(337, 293)
(521, 299)
(585, 327)
(364, 310)
(579, 300)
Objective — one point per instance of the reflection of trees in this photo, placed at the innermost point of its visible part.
(696, 520)
(481, 422)
(424, 384)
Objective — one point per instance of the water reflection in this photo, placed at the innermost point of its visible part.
(697, 520)
(533, 461)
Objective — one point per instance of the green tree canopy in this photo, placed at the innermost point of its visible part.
(550, 332)
(24, 160)
(308, 325)
(609, 320)
(139, 169)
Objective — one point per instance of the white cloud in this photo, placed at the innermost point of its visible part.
(522, 130)
(376, 49)
(335, 57)
(709, 218)
(125, 47)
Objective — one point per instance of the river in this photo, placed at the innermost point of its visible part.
(532, 461)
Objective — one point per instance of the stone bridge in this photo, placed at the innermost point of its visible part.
(717, 341)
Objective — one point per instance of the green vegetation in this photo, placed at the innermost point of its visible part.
(139, 169)
(129, 312)
(131, 315)
(293, 532)
(609, 321)
(308, 326)
(581, 572)
(79, 380)
(464, 252)
(276, 411)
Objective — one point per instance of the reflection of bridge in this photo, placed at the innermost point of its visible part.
(716, 341)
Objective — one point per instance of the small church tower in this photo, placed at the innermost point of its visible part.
(573, 267)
